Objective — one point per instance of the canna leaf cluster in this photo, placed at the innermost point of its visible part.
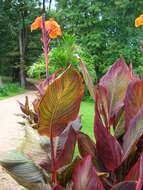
(113, 160)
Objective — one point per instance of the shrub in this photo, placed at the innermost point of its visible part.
(10, 89)
(61, 57)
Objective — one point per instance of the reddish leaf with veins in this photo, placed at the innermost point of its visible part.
(133, 134)
(86, 145)
(140, 181)
(87, 79)
(85, 176)
(25, 107)
(108, 149)
(64, 147)
(58, 187)
(127, 185)
(133, 100)
(114, 84)
(133, 174)
(61, 103)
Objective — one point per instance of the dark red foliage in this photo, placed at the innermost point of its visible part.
(114, 159)
(108, 148)
(58, 187)
(85, 176)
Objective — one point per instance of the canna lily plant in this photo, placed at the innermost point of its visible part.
(113, 160)
(50, 28)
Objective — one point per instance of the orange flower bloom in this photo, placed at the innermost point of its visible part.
(37, 23)
(34, 26)
(38, 20)
(139, 21)
(52, 26)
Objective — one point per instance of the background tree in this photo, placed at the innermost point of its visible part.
(16, 36)
(105, 28)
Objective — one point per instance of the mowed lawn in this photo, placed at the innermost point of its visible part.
(87, 120)
(87, 116)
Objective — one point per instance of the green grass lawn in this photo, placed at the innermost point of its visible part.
(10, 89)
(87, 119)
(87, 116)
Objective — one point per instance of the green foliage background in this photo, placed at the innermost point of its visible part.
(9, 89)
(61, 56)
(103, 28)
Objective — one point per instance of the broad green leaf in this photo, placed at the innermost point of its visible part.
(61, 103)
(133, 134)
(24, 171)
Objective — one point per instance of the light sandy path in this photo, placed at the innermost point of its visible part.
(11, 133)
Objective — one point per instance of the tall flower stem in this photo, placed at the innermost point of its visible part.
(53, 159)
(139, 185)
(45, 44)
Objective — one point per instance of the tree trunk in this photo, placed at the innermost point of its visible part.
(43, 6)
(50, 3)
(0, 82)
(21, 48)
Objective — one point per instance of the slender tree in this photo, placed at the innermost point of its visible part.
(16, 39)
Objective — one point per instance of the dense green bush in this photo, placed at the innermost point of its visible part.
(61, 56)
(105, 28)
(10, 89)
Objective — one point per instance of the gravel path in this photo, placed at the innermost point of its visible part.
(11, 133)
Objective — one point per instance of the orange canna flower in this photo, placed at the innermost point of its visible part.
(54, 28)
(51, 25)
(38, 20)
(34, 26)
(139, 21)
(37, 23)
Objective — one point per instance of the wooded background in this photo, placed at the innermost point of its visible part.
(104, 28)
